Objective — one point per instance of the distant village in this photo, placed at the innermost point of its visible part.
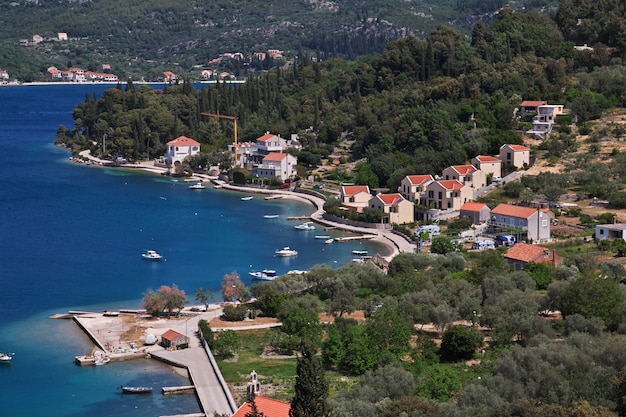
(208, 72)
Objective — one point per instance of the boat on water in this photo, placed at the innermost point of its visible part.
(327, 241)
(152, 255)
(248, 198)
(286, 251)
(270, 216)
(5, 357)
(102, 360)
(197, 186)
(136, 390)
(359, 252)
(305, 226)
(264, 275)
(322, 237)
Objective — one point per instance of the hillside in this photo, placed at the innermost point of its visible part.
(143, 38)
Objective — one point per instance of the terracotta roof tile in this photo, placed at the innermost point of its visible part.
(529, 253)
(275, 156)
(514, 211)
(267, 406)
(354, 189)
(531, 103)
(472, 206)
(487, 158)
(183, 141)
(419, 179)
(451, 184)
(517, 147)
(266, 137)
(390, 199)
(464, 169)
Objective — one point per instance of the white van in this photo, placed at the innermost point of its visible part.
(483, 244)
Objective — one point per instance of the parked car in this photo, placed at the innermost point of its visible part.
(318, 186)
(496, 178)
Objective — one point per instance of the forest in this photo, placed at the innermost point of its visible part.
(141, 39)
(545, 341)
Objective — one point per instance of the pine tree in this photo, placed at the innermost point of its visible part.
(311, 385)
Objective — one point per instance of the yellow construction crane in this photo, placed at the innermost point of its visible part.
(234, 119)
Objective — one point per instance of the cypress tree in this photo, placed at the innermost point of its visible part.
(311, 385)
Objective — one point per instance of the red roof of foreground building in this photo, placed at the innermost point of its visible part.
(517, 147)
(487, 158)
(419, 179)
(471, 206)
(266, 137)
(183, 141)
(275, 156)
(464, 169)
(390, 199)
(514, 211)
(529, 253)
(267, 406)
(451, 184)
(531, 103)
(355, 189)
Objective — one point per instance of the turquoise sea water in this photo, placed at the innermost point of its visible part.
(71, 238)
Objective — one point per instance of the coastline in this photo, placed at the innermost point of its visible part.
(394, 243)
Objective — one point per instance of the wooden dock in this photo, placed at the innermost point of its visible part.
(185, 389)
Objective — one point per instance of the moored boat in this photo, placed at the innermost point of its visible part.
(359, 252)
(322, 237)
(265, 275)
(136, 390)
(248, 198)
(197, 186)
(5, 357)
(102, 360)
(305, 226)
(286, 251)
(151, 255)
(327, 241)
(270, 216)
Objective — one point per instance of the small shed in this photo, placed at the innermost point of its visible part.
(173, 340)
(478, 212)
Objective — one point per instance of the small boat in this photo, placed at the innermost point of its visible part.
(102, 360)
(305, 226)
(327, 241)
(322, 237)
(359, 252)
(264, 275)
(136, 390)
(286, 251)
(197, 186)
(151, 255)
(5, 357)
(270, 216)
(248, 198)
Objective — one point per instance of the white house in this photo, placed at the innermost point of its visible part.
(179, 149)
(466, 174)
(611, 231)
(396, 208)
(544, 120)
(413, 187)
(276, 165)
(516, 155)
(275, 143)
(488, 165)
(533, 222)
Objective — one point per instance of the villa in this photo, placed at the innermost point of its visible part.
(179, 149)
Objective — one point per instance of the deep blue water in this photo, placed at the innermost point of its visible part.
(71, 238)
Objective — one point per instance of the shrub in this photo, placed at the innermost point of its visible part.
(235, 313)
(460, 342)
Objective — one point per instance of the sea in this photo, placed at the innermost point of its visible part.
(71, 238)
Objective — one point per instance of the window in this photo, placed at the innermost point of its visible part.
(431, 194)
(544, 223)
(440, 196)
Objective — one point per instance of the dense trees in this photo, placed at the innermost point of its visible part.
(165, 299)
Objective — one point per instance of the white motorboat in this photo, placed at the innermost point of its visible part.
(197, 186)
(265, 275)
(151, 255)
(286, 251)
(102, 360)
(322, 237)
(270, 216)
(327, 241)
(248, 198)
(305, 226)
(359, 252)
(5, 357)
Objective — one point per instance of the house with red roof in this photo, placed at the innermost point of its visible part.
(276, 165)
(466, 174)
(525, 222)
(355, 197)
(270, 142)
(490, 165)
(522, 253)
(268, 406)
(530, 106)
(169, 77)
(447, 194)
(479, 213)
(397, 209)
(173, 340)
(4, 75)
(179, 149)
(516, 155)
(413, 187)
